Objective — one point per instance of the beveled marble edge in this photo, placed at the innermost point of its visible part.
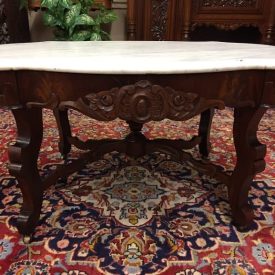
(136, 57)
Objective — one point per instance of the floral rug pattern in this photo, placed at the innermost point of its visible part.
(154, 216)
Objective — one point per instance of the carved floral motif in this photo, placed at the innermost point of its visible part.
(142, 102)
(159, 19)
(223, 26)
(4, 35)
(229, 3)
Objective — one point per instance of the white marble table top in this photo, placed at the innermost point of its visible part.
(136, 57)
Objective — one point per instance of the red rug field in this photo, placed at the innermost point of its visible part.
(156, 217)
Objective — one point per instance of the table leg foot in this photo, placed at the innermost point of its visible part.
(242, 219)
(23, 157)
(204, 132)
(242, 228)
(250, 161)
(26, 239)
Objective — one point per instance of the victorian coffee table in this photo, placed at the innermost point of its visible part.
(136, 82)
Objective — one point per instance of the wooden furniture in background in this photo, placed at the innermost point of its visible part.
(177, 19)
(15, 22)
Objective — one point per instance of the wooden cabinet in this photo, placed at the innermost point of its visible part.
(14, 25)
(179, 19)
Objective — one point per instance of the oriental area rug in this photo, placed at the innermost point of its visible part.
(151, 216)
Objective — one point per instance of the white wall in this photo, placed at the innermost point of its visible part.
(118, 29)
(39, 32)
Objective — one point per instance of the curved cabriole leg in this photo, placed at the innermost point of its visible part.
(64, 146)
(23, 157)
(250, 161)
(204, 132)
(64, 129)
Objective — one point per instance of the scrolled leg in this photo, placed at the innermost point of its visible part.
(23, 157)
(64, 130)
(250, 161)
(204, 132)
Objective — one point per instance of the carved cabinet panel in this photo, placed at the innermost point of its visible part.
(151, 20)
(229, 3)
(231, 15)
(177, 19)
(14, 26)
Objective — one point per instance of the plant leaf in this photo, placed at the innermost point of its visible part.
(60, 34)
(50, 20)
(86, 5)
(88, 2)
(107, 17)
(84, 19)
(81, 36)
(72, 20)
(105, 35)
(49, 4)
(71, 15)
(95, 36)
(65, 3)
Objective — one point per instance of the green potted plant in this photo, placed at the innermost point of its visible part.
(73, 19)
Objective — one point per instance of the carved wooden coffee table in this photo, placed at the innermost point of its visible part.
(137, 82)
